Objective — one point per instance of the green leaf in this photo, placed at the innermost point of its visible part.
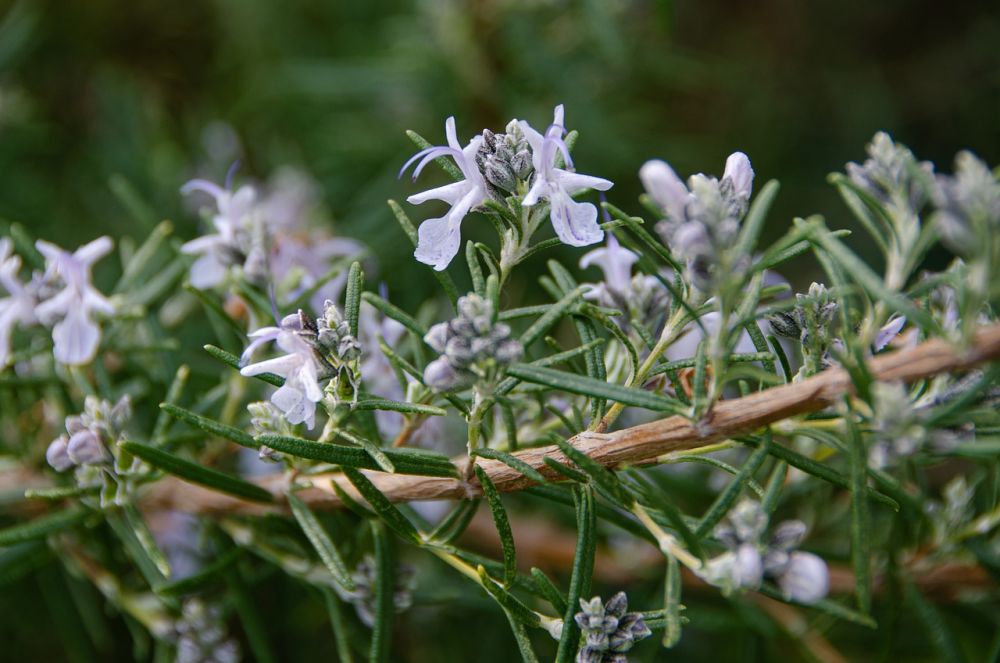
(174, 393)
(143, 256)
(452, 526)
(672, 603)
(411, 231)
(232, 360)
(340, 634)
(827, 606)
(405, 461)
(321, 541)
(937, 630)
(551, 316)
(512, 462)
(375, 451)
(860, 519)
(195, 473)
(754, 221)
(547, 589)
(809, 466)
(42, 526)
(144, 536)
(720, 507)
(475, 269)
(211, 426)
(253, 625)
(395, 313)
(352, 298)
(502, 524)
(521, 637)
(583, 571)
(508, 601)
(864, 276)
(602, 476)
(588, 386)
(381, 505)
(384, 605)
(203, 578)
(398, 406)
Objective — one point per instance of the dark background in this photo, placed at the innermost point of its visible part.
(141, 91)
(100, 96)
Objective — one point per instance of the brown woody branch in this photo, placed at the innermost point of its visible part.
(638, 445)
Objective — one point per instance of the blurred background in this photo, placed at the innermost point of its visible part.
(104, 102)
(107, 107)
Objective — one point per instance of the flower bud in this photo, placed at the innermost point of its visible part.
(440, 376)
(56, 455)
(806, 578)
(84, 448)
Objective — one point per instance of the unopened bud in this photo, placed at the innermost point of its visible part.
(56, 455)
(84, 448)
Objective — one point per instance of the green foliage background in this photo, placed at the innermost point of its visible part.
(102, 91)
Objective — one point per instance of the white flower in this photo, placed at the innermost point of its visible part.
(616, 263)
(438, 240)
(299, 367)
(76, 335)
(234, 214)
(19, 305)
(805, 579)
(575, 223)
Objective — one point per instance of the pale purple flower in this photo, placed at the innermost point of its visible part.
(575, 223)
(76, 335)
(616, 263)
(18, 307)
(218, 250)
(805, 579)
(57, 456)
(299, 367)
(438, 240)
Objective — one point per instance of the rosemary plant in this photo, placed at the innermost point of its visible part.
(244, 411)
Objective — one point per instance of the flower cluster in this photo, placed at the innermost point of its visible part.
(641, 297)
(268, 238)
(504, 159)
(90, 445)
(363, 595)
(63, 297)
(609, 629)
(494, 165)
(702, 218)
(202, 637)
(893, 176)
(314, 351)
(803, 577)
(471, 345)
(968, 205)
(899, 427)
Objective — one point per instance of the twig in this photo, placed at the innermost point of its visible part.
(638, 445)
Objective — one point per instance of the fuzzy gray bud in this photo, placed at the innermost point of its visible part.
(56, 455)
(85, 448)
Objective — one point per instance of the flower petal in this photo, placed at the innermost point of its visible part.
(449, 193)
(574, 182)
(665, 188)
(575, 223)
(93, 251)
(438, 242)
(76, 338)
(738, 170)
(207, 272)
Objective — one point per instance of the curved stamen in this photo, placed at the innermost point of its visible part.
(556, 134)
(441, 152)
(231, 173)
(427, 155)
